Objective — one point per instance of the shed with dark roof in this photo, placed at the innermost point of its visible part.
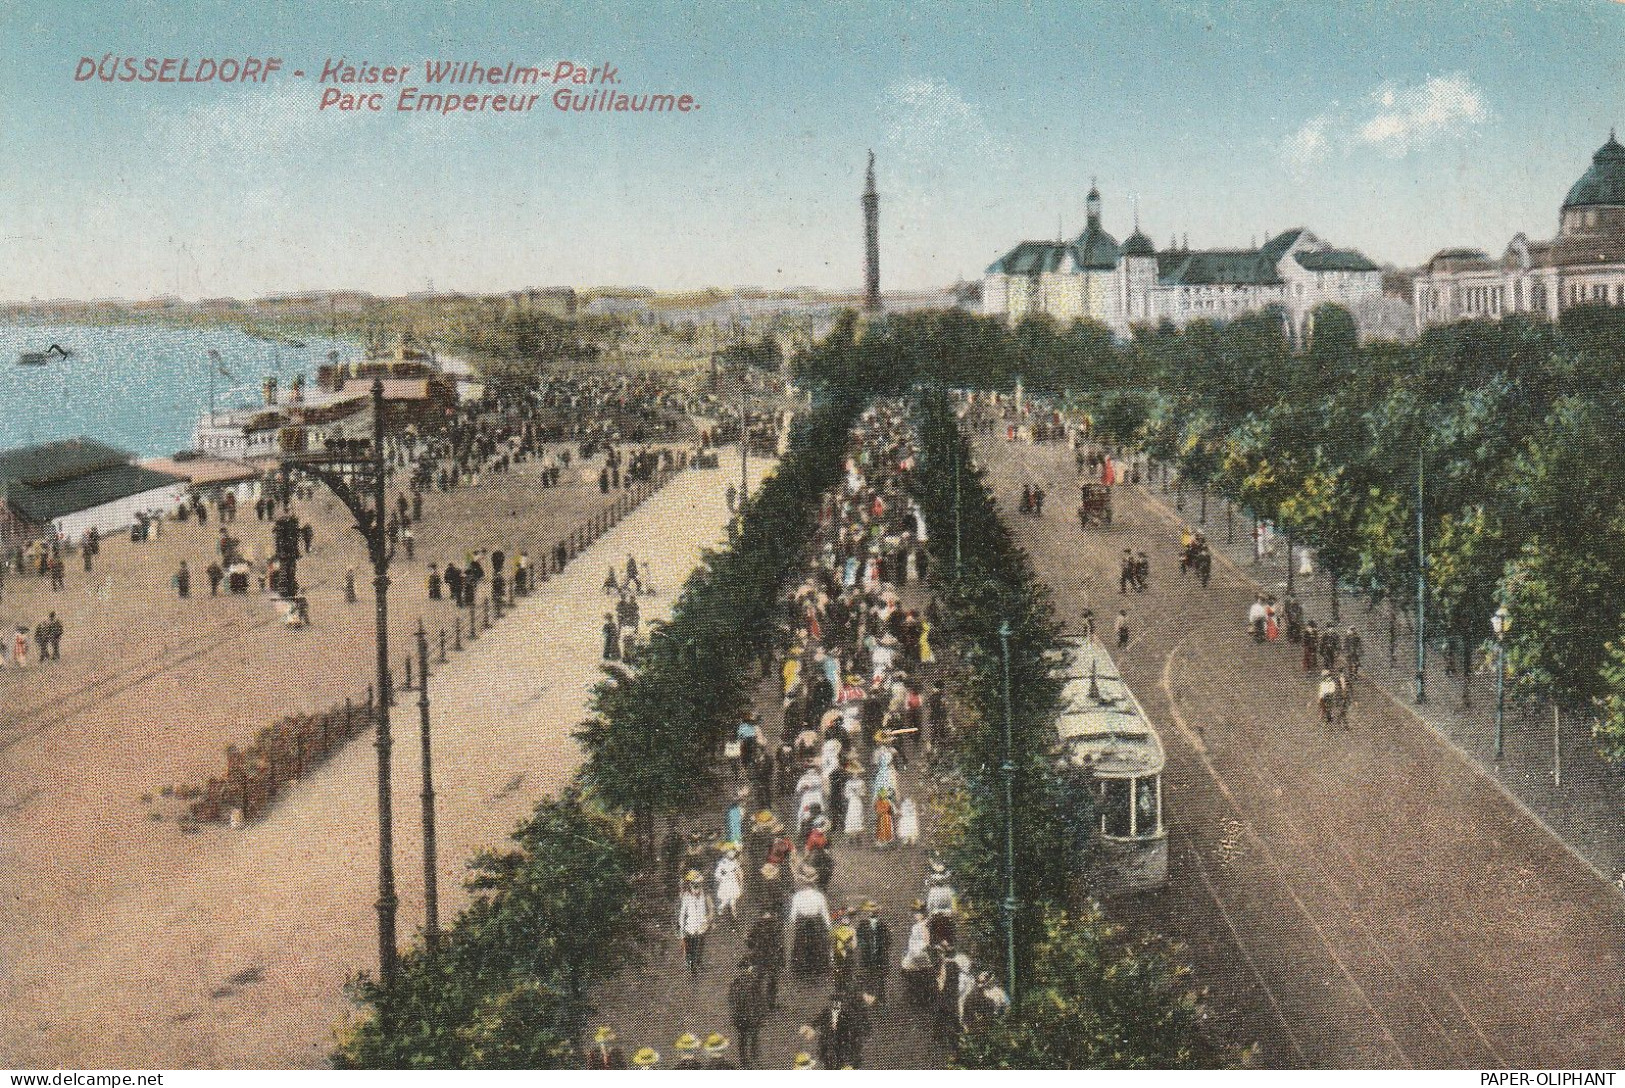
(76, 483)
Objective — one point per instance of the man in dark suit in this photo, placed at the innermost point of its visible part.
(874, 950)
(765, 945)
(604, 1054)
(747, 1008)
(842, 1028)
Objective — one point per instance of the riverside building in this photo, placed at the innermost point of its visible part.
(1123, 285)
(1584, 264)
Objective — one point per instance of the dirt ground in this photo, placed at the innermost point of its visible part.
(127, 943)
(1360, 898)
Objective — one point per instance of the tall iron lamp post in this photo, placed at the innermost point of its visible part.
(1500, 623)
(1009, 769)
(1421, 583)
(354, 470)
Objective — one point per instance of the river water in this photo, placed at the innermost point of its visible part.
(138, 387)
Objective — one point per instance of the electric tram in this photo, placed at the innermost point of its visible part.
(1104, 730)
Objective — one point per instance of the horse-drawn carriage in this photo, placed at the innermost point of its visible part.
(1094, 505)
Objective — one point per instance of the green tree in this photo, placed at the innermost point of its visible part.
(1094, 1000)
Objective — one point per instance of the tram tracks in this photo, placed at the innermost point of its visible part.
(1269, 858)
(1390, 996)
(1365, 942)
(1427, 990)
(110, 685)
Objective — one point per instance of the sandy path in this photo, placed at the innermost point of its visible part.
(230, 950)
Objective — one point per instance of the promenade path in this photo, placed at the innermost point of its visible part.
(1360, 898)
(230, 948)
(654, 1001)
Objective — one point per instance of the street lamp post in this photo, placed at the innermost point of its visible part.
(431, 878)
(1421, 585)
(350, 470)
(1289, 571)
(744, 441)
(1500, 623)
(958, 456)
(1009, 769)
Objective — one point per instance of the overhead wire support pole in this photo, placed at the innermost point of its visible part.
(431, 879)
(1009, 769)
(1421, 582)
(347, 472)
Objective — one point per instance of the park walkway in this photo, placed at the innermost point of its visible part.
(656, 1001)
(1352, 899)
(234, 951)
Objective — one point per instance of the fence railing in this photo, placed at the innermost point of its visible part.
(292, 746)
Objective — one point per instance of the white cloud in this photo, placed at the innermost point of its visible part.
(1308, 145)
(1437, 107)
(928, 118)
(1394, 119)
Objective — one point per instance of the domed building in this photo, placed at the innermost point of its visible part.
(1584, 264)
(1120, 286)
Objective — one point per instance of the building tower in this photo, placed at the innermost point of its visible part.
(871, 241)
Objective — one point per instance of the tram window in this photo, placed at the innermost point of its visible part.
(1114, 807)
(1145, 805)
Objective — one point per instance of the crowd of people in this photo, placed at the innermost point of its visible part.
(1335, 657)
(24, 648)
(554, 422)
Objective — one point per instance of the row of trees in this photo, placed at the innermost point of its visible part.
(1086, 996)
(653, 740)
(1504, 435)
(506, 986)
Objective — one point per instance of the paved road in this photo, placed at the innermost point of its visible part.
(229, 949)
(1353, 899)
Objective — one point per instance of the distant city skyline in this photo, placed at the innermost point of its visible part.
(1394, 129)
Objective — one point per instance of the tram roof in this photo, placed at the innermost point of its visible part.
(1111, 732)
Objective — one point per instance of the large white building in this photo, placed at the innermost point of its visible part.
(1131, 284)
(1584, 264)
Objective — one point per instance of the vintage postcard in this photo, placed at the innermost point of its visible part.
(775, 536)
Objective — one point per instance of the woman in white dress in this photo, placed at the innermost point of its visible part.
(830, 757)
(855, 799)
(908, 823)
(729, 884)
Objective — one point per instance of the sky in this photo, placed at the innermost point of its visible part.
(1396, 128)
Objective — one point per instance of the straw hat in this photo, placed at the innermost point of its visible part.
(605, 1034)
(882, 736)
(805, 1061)
(686, 1042)
(870, 905)
(716, 1043)
(770, 871)
(646, 1057)
(763, 819)
(692, 876)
